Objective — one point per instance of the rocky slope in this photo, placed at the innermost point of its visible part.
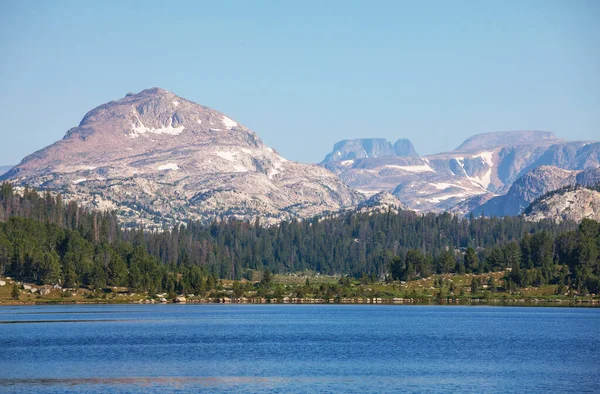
(525, 190)
(158, 158)
(588, 177)
(573, 204)
(381, 201)
(483, 166)
(533, 184)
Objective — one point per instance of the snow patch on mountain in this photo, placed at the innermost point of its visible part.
(414, 168)
(233, 158)
(368, 193)
(168, 166)
(274, 171)
(229, 156)
(482, 181)
(444, 185)
(138, 129)
(487, 157)
(438, 199)
(229, 123)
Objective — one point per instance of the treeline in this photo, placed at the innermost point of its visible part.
(44, 240)
(569, 260)
(349, 244)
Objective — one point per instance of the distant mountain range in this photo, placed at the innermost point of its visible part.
(159, 159)
(5, 169)
(533, 184)
(469, 178)
(370, 147)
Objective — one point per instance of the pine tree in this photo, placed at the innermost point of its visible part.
(471, 260)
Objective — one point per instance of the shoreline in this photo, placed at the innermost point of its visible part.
(425, 291)
(580, 303)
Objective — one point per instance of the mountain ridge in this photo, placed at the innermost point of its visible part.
(5, 169)
(571, 203)
(482, 167)
(496, 139)
(359, 148)
(158, 158)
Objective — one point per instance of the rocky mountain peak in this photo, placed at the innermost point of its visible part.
(363, 148)
(479, 173)
(525, 190)
(382, 200)
(566, 204)
(158, 114)
(155, 91)
(159, 158)
(403, 147)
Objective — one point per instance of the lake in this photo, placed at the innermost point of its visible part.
(298, 349)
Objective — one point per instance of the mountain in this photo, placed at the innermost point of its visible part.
(158, 158)
(504, 138)
(588, 177)
(567, 204)
(533, 184)
(525, 190)
(482, 167)
(370, 147)
(381, 202)
(5, 169)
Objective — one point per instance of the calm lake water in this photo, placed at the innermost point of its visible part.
(298, 349)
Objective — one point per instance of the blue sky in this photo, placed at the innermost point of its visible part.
(304, 75)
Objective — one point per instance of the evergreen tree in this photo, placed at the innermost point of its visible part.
(15, 292)
(266, 278)
(471, 260)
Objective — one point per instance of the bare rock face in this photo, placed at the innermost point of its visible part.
(533, 184)
(381, 201)
(370, 147)
(572, 204)
(432, 184)
(471, 204)
(525, 190)
(158, 159)
(588, 177)
(483, 167)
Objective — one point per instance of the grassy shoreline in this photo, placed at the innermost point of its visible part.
(311, 288)
(496, 302)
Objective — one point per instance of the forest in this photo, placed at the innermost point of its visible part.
(45, 240)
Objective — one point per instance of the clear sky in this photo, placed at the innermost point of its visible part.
(305, 74)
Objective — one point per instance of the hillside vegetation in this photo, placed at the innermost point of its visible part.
(44, 241)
